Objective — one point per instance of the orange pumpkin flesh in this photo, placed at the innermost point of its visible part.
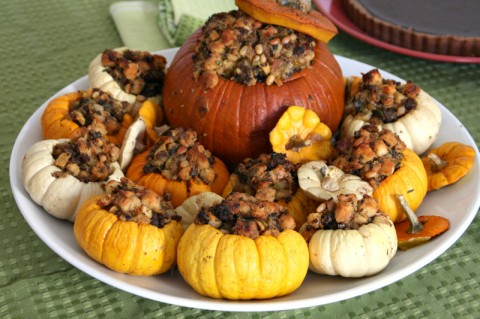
(178, 190)
(233, 120)
(313, 23)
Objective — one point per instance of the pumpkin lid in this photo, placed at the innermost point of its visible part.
(131, 202)
(235, 46)
(137, 72)
(270, 177)
(372, 153)
(88, 156)
(244, 215)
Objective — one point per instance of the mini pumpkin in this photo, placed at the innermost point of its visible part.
(178, 165)
(322, 182)
(381, 158)
(403, 108)
(247, 252)
(301, 135)
(68, 113)
(272, 177)
(129, 229)
(447, 163)
(233, 120)
(349, 237)
(61, 174)
(410, 180)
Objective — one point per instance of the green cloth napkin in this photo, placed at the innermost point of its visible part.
(156, 25)
(136, 22)
(179, 18)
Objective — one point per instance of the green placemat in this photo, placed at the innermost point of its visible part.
(48, 44)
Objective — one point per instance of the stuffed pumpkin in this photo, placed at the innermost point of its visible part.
(129, 229)
(242, 249)
(129, 75)
(272, 177)
(349, 237)
(382, 159)
(60, 175)
(179, 166)
(403, 108)
(233, 79)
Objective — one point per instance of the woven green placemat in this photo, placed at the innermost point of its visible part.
(48, 44)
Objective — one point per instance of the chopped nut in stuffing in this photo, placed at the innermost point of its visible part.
(372, 154)
(386, 100)
(347, 213)
(88, 157)
(244, 215)
(177, 155)
(137, 72)
(270, 177)
(98, 108)
(234, 46)
(132, 202)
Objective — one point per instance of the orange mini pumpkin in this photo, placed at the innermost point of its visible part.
(233, 120)
(129, 229)
(410, 180)
(68, 113)
(178, 165)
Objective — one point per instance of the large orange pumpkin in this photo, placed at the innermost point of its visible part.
(234, 120)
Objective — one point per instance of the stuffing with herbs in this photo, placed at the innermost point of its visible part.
(387, 100)
(131, 202)
(270, 177)
(347, 212)
(137, 72)
(98, 108)
(372, 153)
(87, 157)
(177, 155)
(244, 215)
(234, 46)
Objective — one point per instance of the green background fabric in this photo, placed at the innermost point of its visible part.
(47, 44)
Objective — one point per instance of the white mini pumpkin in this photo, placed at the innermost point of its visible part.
(321, 182)
(354, 252)
(59, 196)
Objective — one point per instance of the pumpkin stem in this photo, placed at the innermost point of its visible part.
(331, 178)
(296, 143)
(437, 163)
(415, 225)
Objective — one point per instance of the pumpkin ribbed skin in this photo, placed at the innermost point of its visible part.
(178, 190)
(233, 120)
(240, 268)
(410, 180)
(125, 246)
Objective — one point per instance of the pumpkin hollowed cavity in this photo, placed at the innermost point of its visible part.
(236, 47)
(371, 153)
(88, 157)
(244, 215)
(137, 72)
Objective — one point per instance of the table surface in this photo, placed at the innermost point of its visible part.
(48, 44)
